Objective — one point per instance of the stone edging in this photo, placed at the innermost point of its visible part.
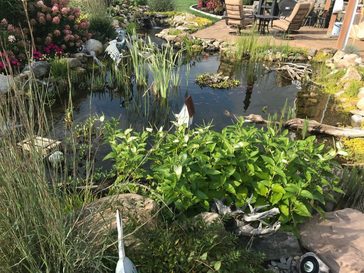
(205, 13)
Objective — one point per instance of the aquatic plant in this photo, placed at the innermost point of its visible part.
(217, 81)
(164, 65)
(138, 50)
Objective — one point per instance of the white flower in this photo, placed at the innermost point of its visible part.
(11, 38)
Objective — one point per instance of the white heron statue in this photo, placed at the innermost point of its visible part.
(124, 265)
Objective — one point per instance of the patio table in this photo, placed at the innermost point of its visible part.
(264, 20)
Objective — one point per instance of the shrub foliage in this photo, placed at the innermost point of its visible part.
(190, 169)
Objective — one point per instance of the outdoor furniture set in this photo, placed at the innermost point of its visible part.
(287, 16)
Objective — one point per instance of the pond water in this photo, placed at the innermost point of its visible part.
(260, 92)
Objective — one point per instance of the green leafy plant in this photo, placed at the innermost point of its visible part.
(190, 169)
(191, 246)
(101, 28)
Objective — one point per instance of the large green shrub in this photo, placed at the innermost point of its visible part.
(190, 169)
(161, 5)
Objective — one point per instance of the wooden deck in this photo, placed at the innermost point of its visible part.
(308, 37)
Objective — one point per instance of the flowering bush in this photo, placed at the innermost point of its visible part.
(54, 23)
(212, 6)
(57, 28)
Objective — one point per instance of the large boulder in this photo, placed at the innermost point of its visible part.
(99, 216)
(338, 239)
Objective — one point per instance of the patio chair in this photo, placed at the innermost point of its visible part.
(235, 15)
(295, 20)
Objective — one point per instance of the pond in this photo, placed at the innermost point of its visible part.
(260, 92)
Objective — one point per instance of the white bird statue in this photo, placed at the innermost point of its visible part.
(124, 265)
(116, 46)
(185, 116)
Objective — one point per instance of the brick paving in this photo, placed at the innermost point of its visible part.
(308, 37)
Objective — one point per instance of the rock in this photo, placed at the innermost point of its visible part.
(351, 74)
(312, 52)
(93, 45)
(73, 62)
(278, 245)
(339, 55)
(348, 60)
(360, 104)
(357, 112)
(6, 83)
(40, 69)
(356, 120)
(100, 215)
(209, 217)
(338, 239)
(361, 93)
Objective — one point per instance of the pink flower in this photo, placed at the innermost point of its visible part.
(4, 22)
(71, 17)
(40, 4)
(42, 20)
(65, 11)
(57, 33)
(49, 17)
(48, 40)
(55, 9)
(11, 28)
(56, 20)
(33, 22)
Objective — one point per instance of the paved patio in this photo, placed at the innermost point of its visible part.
(308, 37)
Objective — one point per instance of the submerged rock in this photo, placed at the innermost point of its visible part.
(338, 239)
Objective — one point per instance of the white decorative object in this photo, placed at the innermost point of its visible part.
(185, 116)
(114, 53)
(124, 265)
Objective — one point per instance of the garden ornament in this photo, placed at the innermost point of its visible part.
(245, 221)
(92, 48)
(124, 265)
(185, 116)
(310, 263)
(115, 47)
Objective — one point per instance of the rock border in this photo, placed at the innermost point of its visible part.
(206, 13)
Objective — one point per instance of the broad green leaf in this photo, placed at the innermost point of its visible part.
(301, 209)
(284, 210)
(278, 188)
(261, 189)
(217, 265)
(203, 257)
(307, 194)
(230, 188)
(275, 198)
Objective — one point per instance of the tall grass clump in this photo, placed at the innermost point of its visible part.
(164, 65)
(352, 184)
(138, 50)
(250, 47)
(39, 230)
